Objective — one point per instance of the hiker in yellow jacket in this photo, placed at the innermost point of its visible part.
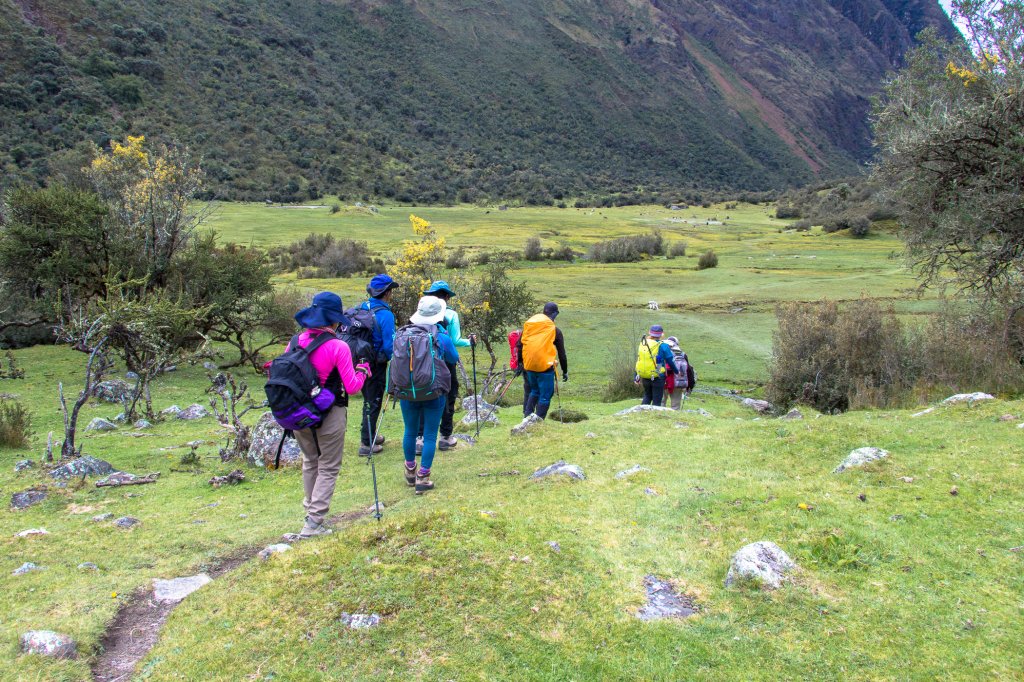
(653, 361)
(536, 351)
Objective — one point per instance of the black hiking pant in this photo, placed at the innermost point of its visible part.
(448, 416)
(373, 399)
(653, 389)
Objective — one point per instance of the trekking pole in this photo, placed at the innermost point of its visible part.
(373, 472)
(559, 394)
(476, 396)
(500, 396)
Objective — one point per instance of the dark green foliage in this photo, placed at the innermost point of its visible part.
(836, 205)
(677, 250)
(324, 256)
(708, 259)
(860, 226)
(785, 212)
(628, 249)
(834, 549)
(533, 250)
(15, 424)
(457, 259)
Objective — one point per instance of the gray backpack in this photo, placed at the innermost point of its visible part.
(418, 370)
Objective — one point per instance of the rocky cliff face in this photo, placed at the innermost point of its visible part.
(431, 100)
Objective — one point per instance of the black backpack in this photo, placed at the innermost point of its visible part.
(359, 335)
(294, 394)
(418, 371)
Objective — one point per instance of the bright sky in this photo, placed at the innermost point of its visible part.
(947, 5)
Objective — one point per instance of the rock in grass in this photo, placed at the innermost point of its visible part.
(465, 438)
(88, 566)
(193, 412)
(173, 591)
(636, 409)
(23, 465)
(923, 412)
(526, 425)
(663, 601)
(969, 398)
(172, 411)
(30, 532)
(127, 522)
(484, 406)
(794, 414)
(271, 550)
(360, 621)
(762, 562)
(48, 643)
(26, 498)
(113, 391)
(560, 468)
(142, 424)
(700, 410)
(26, 567)
(85, 465)
(759, 406)
(101, 424)
(860, 457)
(555, 546)
(99, 518)
(266, 437)
(631, 471)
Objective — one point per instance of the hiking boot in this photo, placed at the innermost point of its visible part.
(312, 529)
(419, 446)
(379, 440)
(364, 450)
(410, 476)
(447, 443)
(423, 482)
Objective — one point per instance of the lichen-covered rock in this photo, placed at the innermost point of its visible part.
(23, 464)
(663, 601)
(266, 436)
(762, 562)
(85, 465)
(172, 411)
(923, 412)
(465, 438)
(793, 414)
(26, 567)
(484, 416)
(560, 468)
(142, 424)
(969, 398)
(193, 412)
(31, 532)
(271, 550)
(172, 591)
(759, 406)
(26, 498)
(860, 457)
(48, 643)
(88, 566)
(113, 391)
(525, 425)
(636, 409)
(484, 406)
(99, 518)
(626, 473)
(360, 621)
(101, 424)
(127, 522)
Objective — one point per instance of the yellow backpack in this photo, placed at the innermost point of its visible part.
(646, 360)
(538, 341)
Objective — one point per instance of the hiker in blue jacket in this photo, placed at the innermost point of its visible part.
(379, 290)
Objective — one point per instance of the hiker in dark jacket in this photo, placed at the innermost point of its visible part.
(379, 290)
(429, 311)
(536, 352)
(652, 360)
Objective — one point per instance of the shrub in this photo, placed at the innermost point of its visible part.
(335, 208)
(860, 226)
(15, 424)
(677, 250)
(835, 224)
(563, 252)
(708, 259)
(802, 225)
(457, 259)
(622, 365)
(533, 250)
(786, 212)
(628, 249)
(321, 256)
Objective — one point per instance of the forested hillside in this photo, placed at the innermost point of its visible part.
(436, 101)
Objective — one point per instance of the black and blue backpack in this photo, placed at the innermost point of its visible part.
(418, 371)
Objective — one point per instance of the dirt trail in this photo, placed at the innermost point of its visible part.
(136, 627)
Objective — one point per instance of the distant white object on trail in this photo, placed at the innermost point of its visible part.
(969, 398)
(652, 305)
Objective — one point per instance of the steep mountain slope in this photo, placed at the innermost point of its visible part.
(436, 100)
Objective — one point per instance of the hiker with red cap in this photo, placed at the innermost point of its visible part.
(652, 362)
(536, 351)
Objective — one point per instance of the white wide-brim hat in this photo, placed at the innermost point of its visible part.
(430, 310)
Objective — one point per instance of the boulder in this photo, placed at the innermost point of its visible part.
(626, 473)
(525, 425)
(101, 424)
(793, 414)
(193, 412)
(969, 398)
(763, 562)
(172, 411)
(759, 406)
(85, 465)
(266, 436)
(560, 468)
(360, 621)
(26, 498)
(860, 457)
(468, 405)
(23, 464)
(29, 532)
(113, 391)
(173, 591)
(26, 567)
(271, 550)
(644, 408)
(126, 522)
(465, 438)
(210, 366)
(663, 601)
(48, 643)
(142, 424)
(486, 415)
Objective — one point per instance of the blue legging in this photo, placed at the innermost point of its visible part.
(430, 412)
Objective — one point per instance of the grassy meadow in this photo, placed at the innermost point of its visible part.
(911, 582)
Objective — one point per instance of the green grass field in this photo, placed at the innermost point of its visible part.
(910, 583)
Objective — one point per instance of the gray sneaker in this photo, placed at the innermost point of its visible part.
(312, 529)
(447, 443)
(419, 445)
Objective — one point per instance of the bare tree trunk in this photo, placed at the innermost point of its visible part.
(68, 449)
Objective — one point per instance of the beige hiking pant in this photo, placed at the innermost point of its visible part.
(320, 472)
(673, 397)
